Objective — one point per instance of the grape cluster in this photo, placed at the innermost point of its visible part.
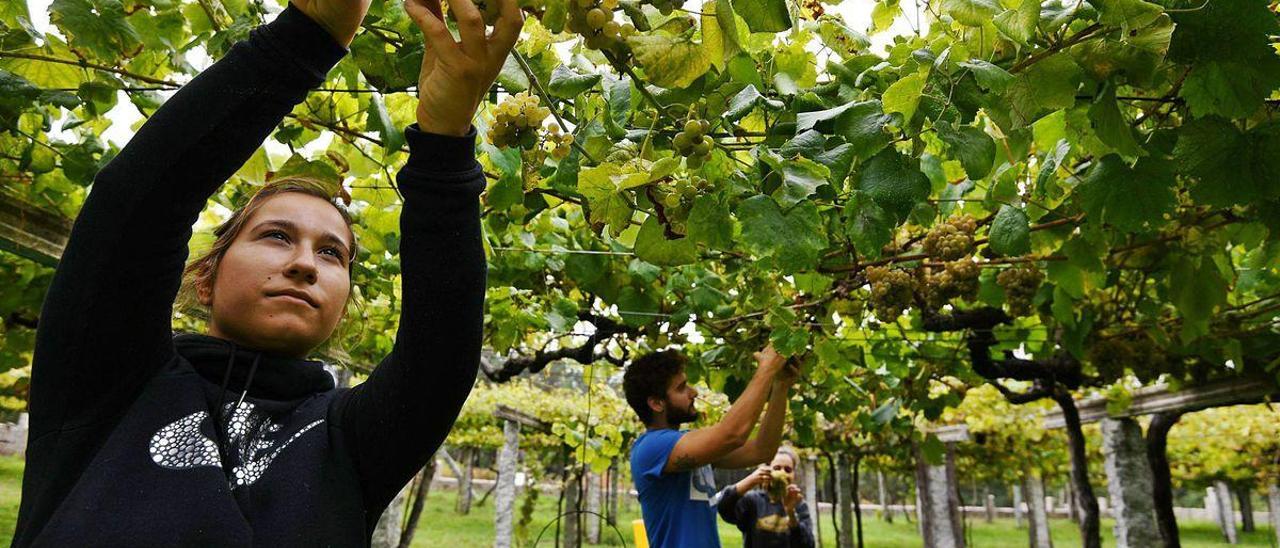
(778, 483)
(951, 240)
(593, 19)
(958, 280)
(1020, 285)
(516, 121)
(561, 143)
(677, 198)
(892, 291)
(1110, 356)
(693, 142)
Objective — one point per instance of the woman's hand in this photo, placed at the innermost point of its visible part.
(793, 498)
(760, 477)
(341, 18)
(455, 76)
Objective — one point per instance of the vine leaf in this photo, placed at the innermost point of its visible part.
(894, 182)
(972, 146)
(792, 239)
(764, 15)
(1130, 199)
(1010, 233)
(99, 26)
(652, 246)
(669, 61)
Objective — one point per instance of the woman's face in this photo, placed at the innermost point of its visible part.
(282, 285)
(782, 462)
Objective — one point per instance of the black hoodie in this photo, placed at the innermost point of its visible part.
(123, 446)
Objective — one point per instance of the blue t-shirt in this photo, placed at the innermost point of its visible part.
(679, 509)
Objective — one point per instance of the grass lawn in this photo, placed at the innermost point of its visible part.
(440, 526)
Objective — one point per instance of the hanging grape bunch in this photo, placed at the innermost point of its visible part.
(951, 240)
(561, 143)
(958, 280)
(666, 6)
(892, 291)
(676, 200)
(516, 120)
(693, 142)
(593, 19)
(1020, 285)
(778, 483)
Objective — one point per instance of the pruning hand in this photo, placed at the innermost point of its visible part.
(456, 75)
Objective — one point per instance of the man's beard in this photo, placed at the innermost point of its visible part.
(680, 416)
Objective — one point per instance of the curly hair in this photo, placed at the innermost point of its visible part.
(648, 377)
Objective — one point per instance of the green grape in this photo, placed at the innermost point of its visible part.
(693, 128)
(1020, 285)
(951, 240)
(516, 121)
(596, 18)
(892, 291)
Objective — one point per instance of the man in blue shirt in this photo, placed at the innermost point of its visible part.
(672, 467)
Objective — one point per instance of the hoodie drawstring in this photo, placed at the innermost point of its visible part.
(218, 427)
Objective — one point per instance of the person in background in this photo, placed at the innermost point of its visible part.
(672, 467)
(768, 507)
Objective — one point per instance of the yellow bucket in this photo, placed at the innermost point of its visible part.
(637, 530)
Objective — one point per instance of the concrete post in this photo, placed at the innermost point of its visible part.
(505, 496)
(571, 519)
(885, 513)
(936, 509)
(1037, 516)
(594, 507)
(1226, 512)
(386, 534)
(810, 474)
(991, 507)
(1129, 483)
(1273, 508)
(1017, 506)
(844, 495)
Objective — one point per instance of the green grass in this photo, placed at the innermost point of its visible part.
(440, 526)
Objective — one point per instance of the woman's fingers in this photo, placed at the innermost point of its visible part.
(507, 30)
(470, 28)
(439, 41)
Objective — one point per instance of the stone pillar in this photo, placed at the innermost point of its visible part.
(505, 495)
(1017, 506)
(885, 513)
(953, 496)
(571, 519)
(1037, 516)
(810, 479)
(386, 534)
(936, 510)
(468, 456)
(1227, 514)
(593, 508)
(1211, 506)
(991, 507)
(1129, 483)
(1273, 508)
(844, 495)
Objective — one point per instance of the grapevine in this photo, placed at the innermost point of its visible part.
(951, 240)
(958, 280)
(693, 142)
(593, 19)
(1020, 285)
(892, 291)
(676, 199)
(516, 120)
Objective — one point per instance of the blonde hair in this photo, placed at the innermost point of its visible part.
(202, 271)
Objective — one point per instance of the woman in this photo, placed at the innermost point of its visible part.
(139, 438)
(769, 521)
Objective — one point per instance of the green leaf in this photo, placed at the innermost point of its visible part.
(605, 188)
(567, 84)
(800, 178)
(973, 13)
(1010, 232)
(1111, 126)
(868, 226)
(886, 412)
(764, 15)
(617, 94)
(989, 76)
(508, 190)
(709, 222)
(652, 246)
(793, 239)
(894, 182)
(1229, 88)
(972, 146)
(903, 96)
(386, 69)
(98, 26)
(1130, 199)
(1048, 84)
(1127, 14)
(1231, 167)
(1196, 289)
(745, 100)
(884, 13)
(380, 122)
(668, 61)
(1019, 24)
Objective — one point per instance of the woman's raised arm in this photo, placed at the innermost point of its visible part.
(396, 419)
(106, 323)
